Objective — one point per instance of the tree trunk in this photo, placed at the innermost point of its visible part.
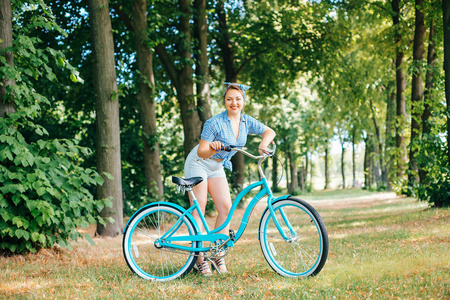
(354, 158)
(390, 140)
(286, 168)
(416, 88)
(374, 163)
(301, 175)
(431, 60)
(400, 98)
(224, 42)
(343, 165)
(367, 183)
(446, 14)
(145, 99)
(307, 167)
(181, 77)
(238, 162)
(201, 60)
(6, 40)
(293, 183)
(378, 173)
(274, 174)
(189, 116)
(327, 172)
(185, 91)
(107, 112)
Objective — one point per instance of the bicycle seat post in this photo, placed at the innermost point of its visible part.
(191, 193)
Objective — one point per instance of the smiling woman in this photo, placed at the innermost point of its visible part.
(234, 102)
(207, 160)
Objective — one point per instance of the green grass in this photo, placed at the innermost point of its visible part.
(381, 247)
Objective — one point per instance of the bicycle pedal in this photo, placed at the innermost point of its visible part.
(232, 235)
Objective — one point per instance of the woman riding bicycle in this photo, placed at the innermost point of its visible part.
(206, 160)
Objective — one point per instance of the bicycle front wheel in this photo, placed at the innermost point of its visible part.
(150, 261)
(305, 249)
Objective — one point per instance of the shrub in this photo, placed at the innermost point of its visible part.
(44, 192)
(433, 159)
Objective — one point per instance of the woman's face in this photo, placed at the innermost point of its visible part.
(234, 101)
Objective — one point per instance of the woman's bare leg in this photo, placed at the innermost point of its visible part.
(201, 193)
(220, 192)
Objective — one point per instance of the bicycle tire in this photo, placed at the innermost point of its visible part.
(307, 251)
(146, 259)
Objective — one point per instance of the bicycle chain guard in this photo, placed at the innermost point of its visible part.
(217, 250)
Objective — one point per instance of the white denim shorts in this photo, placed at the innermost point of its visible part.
(199, 167)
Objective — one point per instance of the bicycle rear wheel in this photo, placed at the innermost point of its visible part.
(305, 251)
(146, 259)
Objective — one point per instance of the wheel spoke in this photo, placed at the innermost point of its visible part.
(302, 255)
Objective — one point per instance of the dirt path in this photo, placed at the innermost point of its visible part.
(356, 202)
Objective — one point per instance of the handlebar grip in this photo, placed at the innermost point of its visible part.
(226, 148)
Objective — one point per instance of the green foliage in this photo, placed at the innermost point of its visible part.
(44, 193)
(432, 157)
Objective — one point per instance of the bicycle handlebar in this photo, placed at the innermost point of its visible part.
(270, 152)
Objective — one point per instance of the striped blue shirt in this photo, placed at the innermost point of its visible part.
(218, 128)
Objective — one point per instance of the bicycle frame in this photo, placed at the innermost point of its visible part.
(213, 235)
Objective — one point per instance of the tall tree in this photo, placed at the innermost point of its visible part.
(416, 87)
(378, 150)
(145, 98)
(180, 72)
(327, 162)
(6, 41)
(231, 72)
(224, 41)
(400, 88)
(353, 158)
(446, 15)
(342, 141)
(201, 60)
(292, 168)
(107, 116)
(428, 101)
(275, 187)
(389, 135)
(431, 61)
(255, 39)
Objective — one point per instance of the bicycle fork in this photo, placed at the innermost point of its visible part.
(278, 225)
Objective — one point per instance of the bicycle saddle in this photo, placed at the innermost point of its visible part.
(187, 182)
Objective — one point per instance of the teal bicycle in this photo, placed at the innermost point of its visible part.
(162, 240)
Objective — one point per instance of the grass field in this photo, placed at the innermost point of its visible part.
(381, 247)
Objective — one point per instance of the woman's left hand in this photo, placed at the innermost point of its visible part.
(267, 139)
(263, 148)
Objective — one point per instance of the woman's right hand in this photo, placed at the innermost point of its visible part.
(215, 146)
